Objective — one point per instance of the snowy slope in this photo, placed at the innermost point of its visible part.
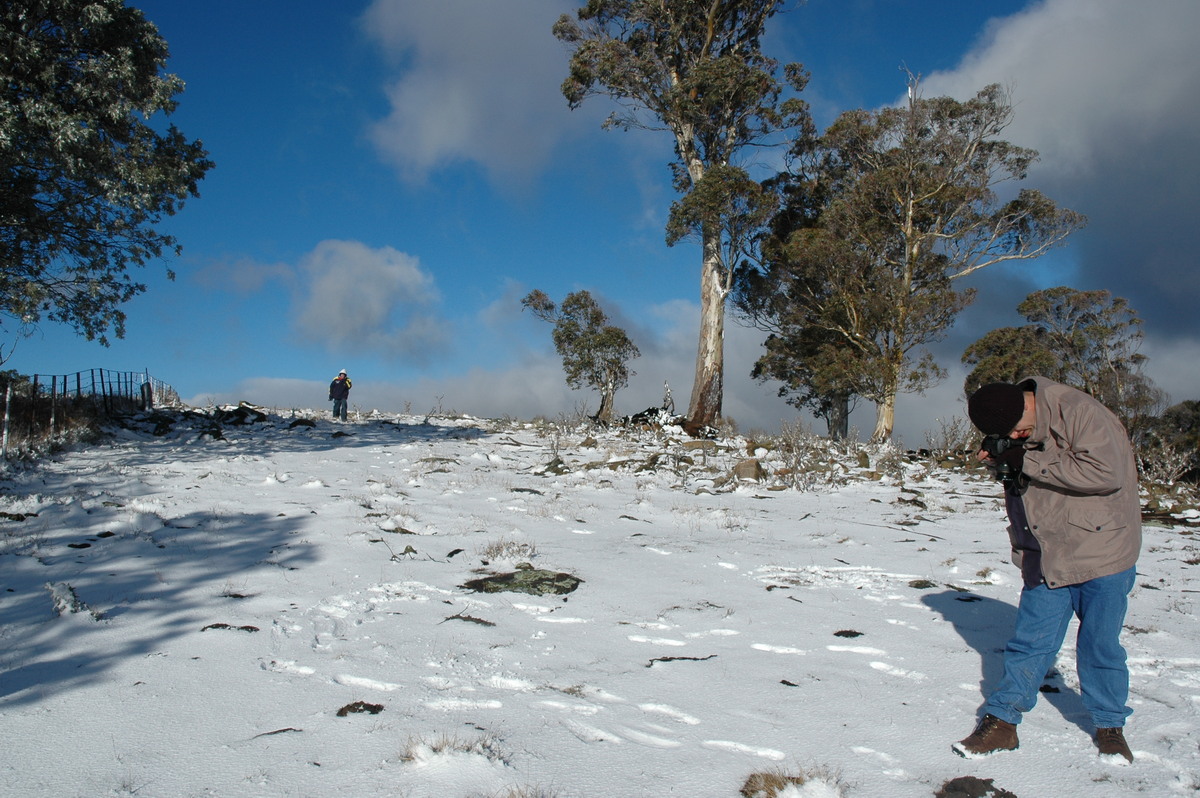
(184, 616)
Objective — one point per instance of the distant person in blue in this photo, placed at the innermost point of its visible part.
(339, 393)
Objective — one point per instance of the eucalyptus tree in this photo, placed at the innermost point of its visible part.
(899, 205)
(693, 68)
(87, 166)
(1088, 339)
(594, 353)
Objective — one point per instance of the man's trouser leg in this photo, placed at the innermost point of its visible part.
(1100, 657)
(1042, 619)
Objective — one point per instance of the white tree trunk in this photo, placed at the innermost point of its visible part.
(708, 388)
(885, 419)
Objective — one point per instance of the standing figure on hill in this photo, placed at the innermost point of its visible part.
(1071, 493)
(339, 393)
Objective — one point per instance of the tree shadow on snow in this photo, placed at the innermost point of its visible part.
(195, 435)
(78, 604)
(986, 624)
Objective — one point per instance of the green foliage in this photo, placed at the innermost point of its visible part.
(1007, 354)
(696, 70)
(1088, 339)
(1170, 446)
(21, 384)
(594, 353)
(84, 174)
(880, 216)
(1180, 425)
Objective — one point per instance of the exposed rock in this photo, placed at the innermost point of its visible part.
(751, 470)
(244, 413)
(526, 579)
(357, 707)
(556, 467)
(972, 787)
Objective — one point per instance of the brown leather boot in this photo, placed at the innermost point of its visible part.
(990, 736)
(1111, 743)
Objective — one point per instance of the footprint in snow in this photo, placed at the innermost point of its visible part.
(588, 733)
(647, 739)
(457, 704)
(714, 633)
(892, 670)
(671, 712)
(778, 649)
(561, 619)
(368, 684)
(740, 748)
(875, 652)
(658, 641)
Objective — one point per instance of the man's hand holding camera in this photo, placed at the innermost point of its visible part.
(1004, 455)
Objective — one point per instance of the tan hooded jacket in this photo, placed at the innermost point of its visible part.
(1082, 500)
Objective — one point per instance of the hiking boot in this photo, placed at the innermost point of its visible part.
(990, 736)
(1111, 743)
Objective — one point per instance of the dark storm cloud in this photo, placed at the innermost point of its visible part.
(1105, 90)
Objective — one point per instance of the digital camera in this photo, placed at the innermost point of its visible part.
(996, 446)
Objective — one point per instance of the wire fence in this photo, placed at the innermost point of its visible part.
(38, 407)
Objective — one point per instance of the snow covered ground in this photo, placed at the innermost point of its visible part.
(281, 612)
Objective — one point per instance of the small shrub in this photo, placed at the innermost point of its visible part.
(1163, 463)
(808, 459)
(953, 438)
(506, 549)
(524, 792)
(772, 784)
(418, 749)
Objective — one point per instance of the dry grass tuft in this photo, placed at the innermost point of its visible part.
(507, 549)
(772, 784)
(769, 785)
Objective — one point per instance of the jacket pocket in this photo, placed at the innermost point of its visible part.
(1094, 521)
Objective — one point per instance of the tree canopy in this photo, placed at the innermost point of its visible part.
(594, 353)
(883, 214)
(87, 168)
(1088, 339)
(695, 69)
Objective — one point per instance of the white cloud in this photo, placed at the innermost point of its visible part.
(242, 276)
(1105, 90)
(1090, 77)
(477, 81)
(356, 298)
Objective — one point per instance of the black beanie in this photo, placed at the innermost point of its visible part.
(996, 407)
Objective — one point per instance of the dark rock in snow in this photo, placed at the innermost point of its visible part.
(972, 787)
(534, 581)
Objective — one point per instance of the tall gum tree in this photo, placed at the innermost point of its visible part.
(695, 69)
(909, 198)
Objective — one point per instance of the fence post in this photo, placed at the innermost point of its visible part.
(53, 403)
(33, 403)
(7, 404)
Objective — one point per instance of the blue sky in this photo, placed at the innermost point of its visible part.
(393, 176)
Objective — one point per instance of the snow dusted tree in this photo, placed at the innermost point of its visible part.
(86, 170)
(906, 205)
(594, 353)
(694, 68)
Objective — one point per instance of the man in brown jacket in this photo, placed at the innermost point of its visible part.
(1071, 492)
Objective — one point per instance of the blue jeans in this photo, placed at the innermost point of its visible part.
(1042, 619)
(339, 408)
